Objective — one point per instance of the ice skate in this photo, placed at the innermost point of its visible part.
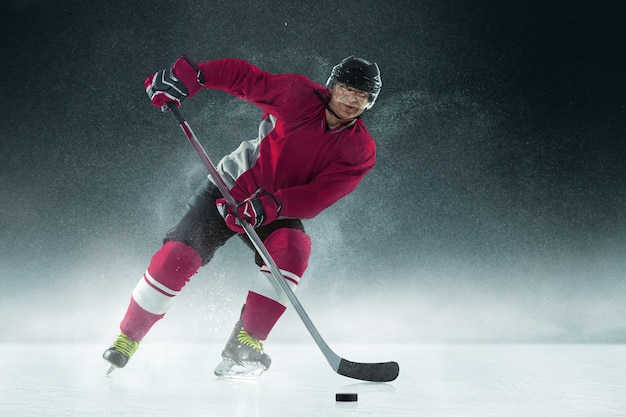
(120, 352)
(243, 356)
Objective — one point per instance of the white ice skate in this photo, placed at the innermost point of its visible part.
(243, 356)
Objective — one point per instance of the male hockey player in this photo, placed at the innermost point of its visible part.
(312, 149)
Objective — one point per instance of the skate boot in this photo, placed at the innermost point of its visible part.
(120, 352)
(243, 356)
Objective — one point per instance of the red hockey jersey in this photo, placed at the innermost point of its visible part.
(305, 165)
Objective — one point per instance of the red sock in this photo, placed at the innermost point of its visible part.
(260, 315)
(137, 322)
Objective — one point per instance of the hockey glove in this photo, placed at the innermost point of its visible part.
(259, 209)
(175, 84)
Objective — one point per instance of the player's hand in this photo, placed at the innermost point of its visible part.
(174, 84)
(258, 209)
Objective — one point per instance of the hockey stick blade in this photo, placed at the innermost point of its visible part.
(373, 372)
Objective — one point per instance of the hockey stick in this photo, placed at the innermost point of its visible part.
(375, 372)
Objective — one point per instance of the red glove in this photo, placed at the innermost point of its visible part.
(258, 209)
(175, 84)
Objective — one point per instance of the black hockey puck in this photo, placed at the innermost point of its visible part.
(346, 396)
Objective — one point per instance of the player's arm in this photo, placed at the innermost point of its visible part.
(275, 94)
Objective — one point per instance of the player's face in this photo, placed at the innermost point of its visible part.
(348, 102)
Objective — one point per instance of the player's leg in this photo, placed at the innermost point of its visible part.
(290, 248)
(187, 246)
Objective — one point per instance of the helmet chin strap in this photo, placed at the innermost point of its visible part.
(333, 113)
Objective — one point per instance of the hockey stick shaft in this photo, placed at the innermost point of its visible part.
(380, 372)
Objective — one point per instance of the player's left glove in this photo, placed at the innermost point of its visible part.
(175, 84)
(260, 208)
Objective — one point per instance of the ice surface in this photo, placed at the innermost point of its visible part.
(435, 380)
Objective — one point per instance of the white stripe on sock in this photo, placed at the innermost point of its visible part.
(155, 283)
(264, 285)
(151, 299)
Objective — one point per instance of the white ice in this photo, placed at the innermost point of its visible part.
(40, 380)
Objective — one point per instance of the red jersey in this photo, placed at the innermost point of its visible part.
(307, 166)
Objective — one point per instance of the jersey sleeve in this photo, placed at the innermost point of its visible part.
(275, 94)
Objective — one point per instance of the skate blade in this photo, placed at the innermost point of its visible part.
(111, 369)
(228, 368)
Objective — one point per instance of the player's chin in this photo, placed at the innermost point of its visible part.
(348, 112)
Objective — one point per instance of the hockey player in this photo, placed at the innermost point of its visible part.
(312, 149)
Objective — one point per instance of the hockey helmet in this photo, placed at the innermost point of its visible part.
(358, 73)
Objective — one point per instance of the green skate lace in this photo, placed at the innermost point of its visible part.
(125, 345)
(245, 338)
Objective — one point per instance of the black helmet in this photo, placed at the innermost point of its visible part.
(358, 73)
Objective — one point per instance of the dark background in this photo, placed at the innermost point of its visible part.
(495, 212)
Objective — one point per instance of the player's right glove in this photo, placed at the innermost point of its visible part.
(175, 84)
(260, 208)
